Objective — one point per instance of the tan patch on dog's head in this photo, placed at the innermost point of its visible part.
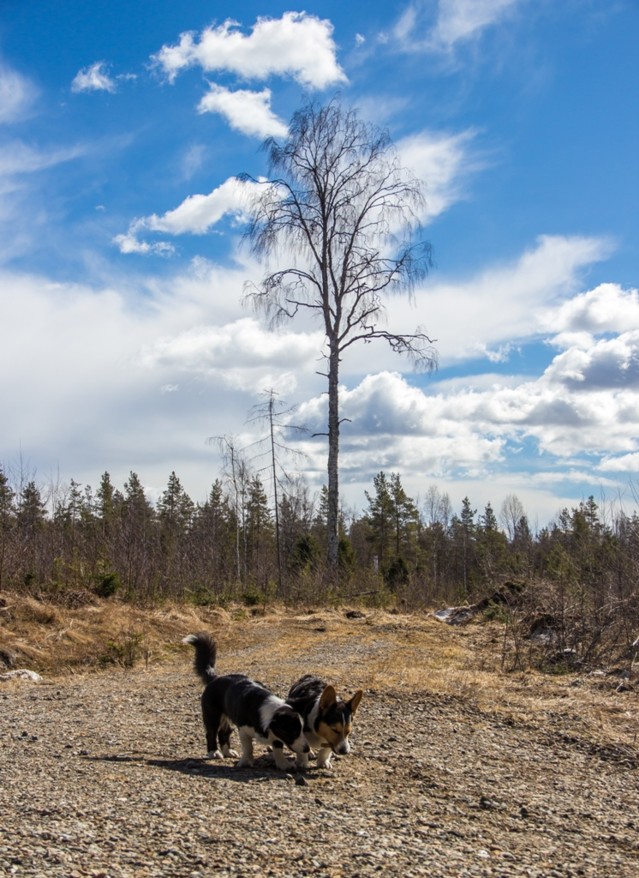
(334, 734)
(335, 718)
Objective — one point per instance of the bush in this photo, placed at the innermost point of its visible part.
(108, 584)
(125, 651)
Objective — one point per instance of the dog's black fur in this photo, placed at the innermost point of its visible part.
(235, 700)
(327, 720)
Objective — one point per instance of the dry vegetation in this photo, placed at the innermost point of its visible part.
(385, 650)
(459, 766)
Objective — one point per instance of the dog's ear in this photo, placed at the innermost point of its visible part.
(355, 700)
(328, 698)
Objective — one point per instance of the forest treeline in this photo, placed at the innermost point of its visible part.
(580, 572)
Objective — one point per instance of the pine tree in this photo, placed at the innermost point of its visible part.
(138, 537)
(106, 502)
(213, 535)
(258, 531)
(406, 520)
(7, 522)
(30, 523)
(491, 545)
(464, 535)
(380, 517)
(393, 519)
(175, 515)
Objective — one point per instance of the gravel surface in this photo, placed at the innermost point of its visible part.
(102, 775)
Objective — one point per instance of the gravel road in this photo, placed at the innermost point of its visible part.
(102, 775)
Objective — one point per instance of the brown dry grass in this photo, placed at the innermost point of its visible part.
(374, 649)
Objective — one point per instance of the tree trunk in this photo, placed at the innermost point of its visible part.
(275, 499)
(332, 517)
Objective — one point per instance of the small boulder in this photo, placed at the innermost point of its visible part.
(22, 674)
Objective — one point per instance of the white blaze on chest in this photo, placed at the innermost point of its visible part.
(267, 711)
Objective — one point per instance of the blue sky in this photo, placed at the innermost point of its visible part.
(125, 342)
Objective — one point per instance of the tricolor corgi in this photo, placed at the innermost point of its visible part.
(235, 700)
(327, 720)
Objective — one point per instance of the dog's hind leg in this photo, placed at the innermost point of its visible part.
(211, 744)
(212, 719)
(224, 735)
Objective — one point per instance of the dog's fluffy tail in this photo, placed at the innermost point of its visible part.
(205, 655)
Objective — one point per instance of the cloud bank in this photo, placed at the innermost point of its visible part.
(192, 339)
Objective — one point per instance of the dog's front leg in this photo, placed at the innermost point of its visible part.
(324, 757)
(301, 760)
(278, 754)
(212, 751)
(246, 760)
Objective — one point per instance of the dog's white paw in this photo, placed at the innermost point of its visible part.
(230, 754)
(214, 754)
(245, 762)
(324, 758)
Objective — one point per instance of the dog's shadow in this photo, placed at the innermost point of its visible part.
(263, 768)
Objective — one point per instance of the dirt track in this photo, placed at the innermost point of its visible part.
(102, 775)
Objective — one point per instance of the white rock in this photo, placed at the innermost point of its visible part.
(22, 674)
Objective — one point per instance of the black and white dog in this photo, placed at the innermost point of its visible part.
(235, 700)
(327, 720)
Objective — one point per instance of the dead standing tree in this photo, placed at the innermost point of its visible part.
(335, 204)
(272, 411)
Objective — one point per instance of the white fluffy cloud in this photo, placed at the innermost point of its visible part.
(93, 78)
(104, 401)
(604, 363)
(297, 45)
(195, 215)
(129, 243)
(525, 293)
(607, 308)
(625, 463)
(246, 111)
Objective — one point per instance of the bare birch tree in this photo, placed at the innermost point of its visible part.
(341, 213)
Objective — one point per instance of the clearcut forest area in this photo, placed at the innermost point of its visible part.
(460, 766)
